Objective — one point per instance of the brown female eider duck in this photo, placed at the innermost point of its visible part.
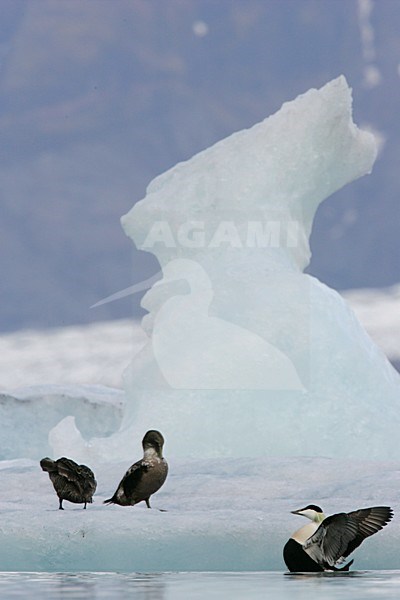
(72, 482)
(146, 476)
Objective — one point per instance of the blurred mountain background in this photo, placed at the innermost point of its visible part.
(97, 97)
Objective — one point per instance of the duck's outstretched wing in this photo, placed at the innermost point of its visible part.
(369, 520)
(340, 534)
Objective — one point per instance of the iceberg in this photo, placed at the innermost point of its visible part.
(269, 393)
(238, 333)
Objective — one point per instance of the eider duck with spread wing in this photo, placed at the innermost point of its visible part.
(145, 477)
(326, 542)
(72, 482)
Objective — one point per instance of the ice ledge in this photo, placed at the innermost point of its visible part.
(27, 415)
(223, 515)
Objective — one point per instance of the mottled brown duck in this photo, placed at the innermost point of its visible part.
(146, 476)
(72, 482)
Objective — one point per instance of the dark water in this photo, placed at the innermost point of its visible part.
(196, 586)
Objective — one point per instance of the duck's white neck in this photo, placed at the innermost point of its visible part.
(302, 534)
(151, 452)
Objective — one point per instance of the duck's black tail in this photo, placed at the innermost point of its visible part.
(345, 568)
(110, 500)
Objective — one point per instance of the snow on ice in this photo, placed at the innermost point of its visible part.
(222, 514)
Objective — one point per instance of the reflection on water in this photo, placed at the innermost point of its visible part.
(82, 585)
(356, 585)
